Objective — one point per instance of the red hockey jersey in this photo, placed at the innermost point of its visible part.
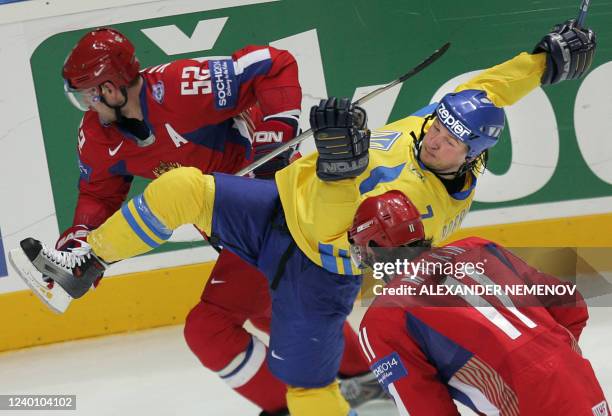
(197, 110)
(497, 352)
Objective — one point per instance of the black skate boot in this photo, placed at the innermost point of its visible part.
(75, 270)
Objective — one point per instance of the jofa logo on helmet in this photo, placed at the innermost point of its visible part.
(451, 123)
(365, 225)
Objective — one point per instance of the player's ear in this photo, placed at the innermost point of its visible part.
(107, 88)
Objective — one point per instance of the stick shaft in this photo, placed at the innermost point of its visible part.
(306, 134)
(584, 7)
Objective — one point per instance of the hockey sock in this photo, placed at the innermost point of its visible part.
(324, 401)
(180, 196)
(249, 375)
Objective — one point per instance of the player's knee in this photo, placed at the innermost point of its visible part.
(176, 185)
(324, 401)
(178, 196)
(214, 338)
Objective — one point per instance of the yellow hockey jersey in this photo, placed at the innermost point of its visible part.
(319, 213)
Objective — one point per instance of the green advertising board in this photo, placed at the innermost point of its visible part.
(361, 43)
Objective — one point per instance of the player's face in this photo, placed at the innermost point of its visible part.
(113, 97)
(441, 151)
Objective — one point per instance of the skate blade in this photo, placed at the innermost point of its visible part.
(57, 299)
(378, 407)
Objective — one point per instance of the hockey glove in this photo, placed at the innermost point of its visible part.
(271, 134)
(342, 139)
(569, 52)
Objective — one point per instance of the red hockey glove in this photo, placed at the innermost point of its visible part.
(269, 135)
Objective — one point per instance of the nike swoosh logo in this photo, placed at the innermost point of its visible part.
(215, 281)
(278, 357)
(98, 71)
(113, 152)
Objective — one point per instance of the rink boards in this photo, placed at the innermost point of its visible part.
(551, 176)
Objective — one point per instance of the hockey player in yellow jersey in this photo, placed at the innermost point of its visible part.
(295, 229)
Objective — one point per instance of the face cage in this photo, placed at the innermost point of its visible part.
(82, 99)
(362, 257)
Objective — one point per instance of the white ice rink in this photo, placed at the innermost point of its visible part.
(153, 373)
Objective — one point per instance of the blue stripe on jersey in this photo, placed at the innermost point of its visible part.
(216, 136)
(136, 228)
(327, 257)
(247, 356)
(346, 262)
(429, 213)
(255, 69)
(239, 139)
(425, 110)
(461, 397)
(464, 194)
(378, 175)
(155, 225)
(493, 249)
(120, 169)
(444, 354)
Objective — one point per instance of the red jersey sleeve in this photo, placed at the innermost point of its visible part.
(271, 76)
(102, 186)
(216, 89)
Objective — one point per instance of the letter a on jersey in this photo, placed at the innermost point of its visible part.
(176, 138)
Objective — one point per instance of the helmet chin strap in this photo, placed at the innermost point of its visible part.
(138, 128)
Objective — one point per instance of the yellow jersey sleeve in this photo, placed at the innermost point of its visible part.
(509, 81)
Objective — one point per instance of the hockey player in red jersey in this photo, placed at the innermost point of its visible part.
(497, 354)
(215, 114)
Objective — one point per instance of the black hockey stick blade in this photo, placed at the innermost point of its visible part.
(428, 61)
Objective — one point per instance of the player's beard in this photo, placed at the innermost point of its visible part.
(106, 114)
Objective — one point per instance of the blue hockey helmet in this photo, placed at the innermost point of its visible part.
(472, 118)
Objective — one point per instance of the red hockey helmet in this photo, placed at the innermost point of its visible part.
(387, 220)
(101, 55)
